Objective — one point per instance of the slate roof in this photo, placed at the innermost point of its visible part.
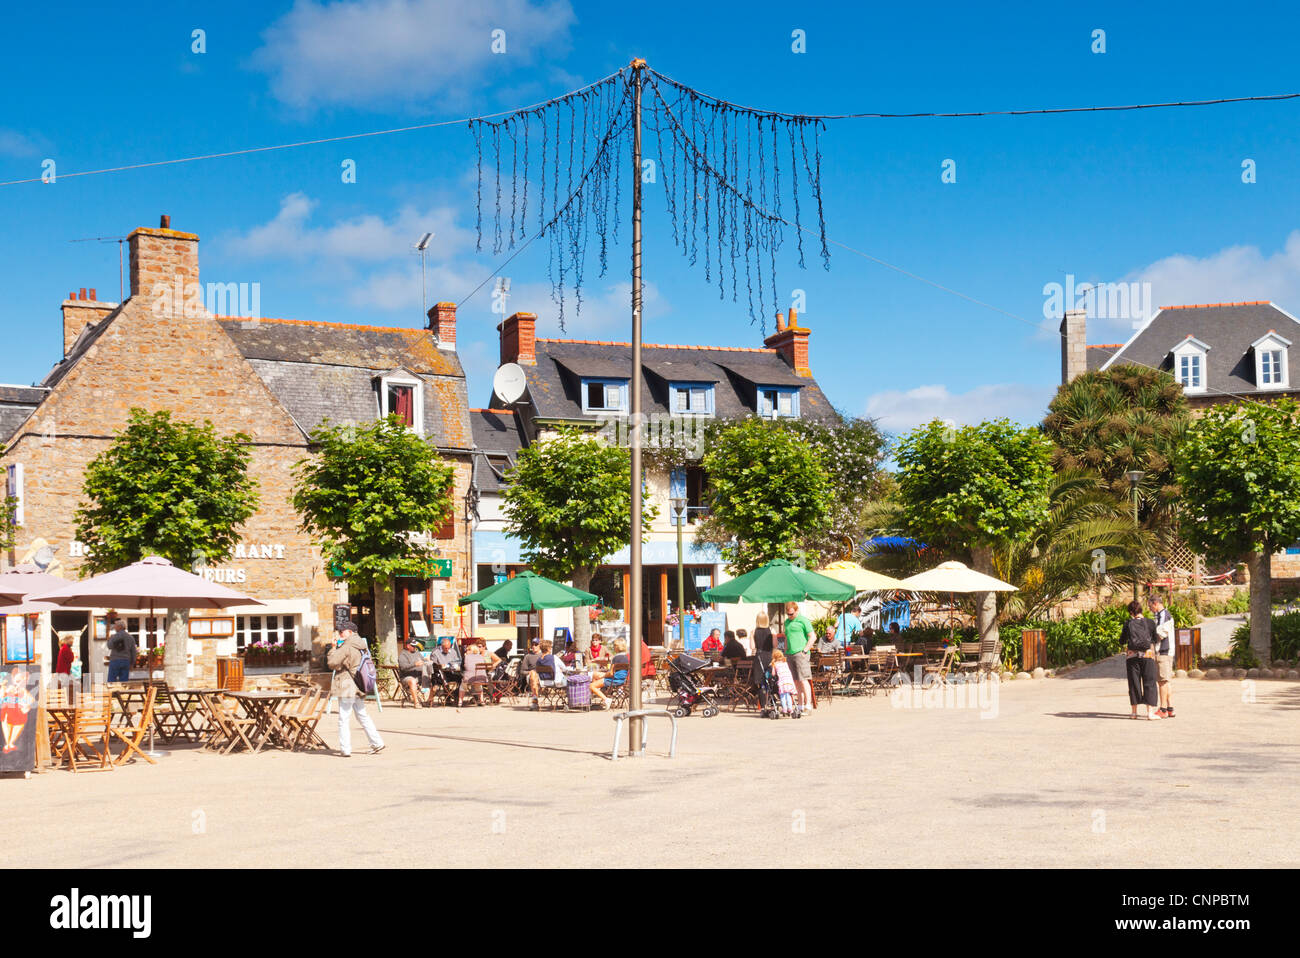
(1228, 329)
(329, 371)
(497, 433)
(1099, 354)
(554, 384)
(17, 403)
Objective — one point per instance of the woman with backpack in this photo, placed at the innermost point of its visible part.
(346, 659)
(1139, 637)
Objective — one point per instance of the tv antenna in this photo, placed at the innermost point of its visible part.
(121, 275)
(502, 293)
(422, 246)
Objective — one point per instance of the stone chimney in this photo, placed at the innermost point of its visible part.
(79, 311)
(1074, 348)
(519, 339)
(442, 320)
(164, 259)
(791, 341)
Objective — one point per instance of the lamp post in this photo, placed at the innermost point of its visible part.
(1134, 477)
(679, 510)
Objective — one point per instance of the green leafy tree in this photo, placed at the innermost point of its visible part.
(1125, 418)
(1240, 478)
(768, 493)
(169, 488)
(974, 488)
(372, 495)
(569, 502)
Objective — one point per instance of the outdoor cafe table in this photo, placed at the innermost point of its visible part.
(190, 706)
(263, 707)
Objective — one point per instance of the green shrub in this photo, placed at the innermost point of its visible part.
(1286, 642)
(1090, 636)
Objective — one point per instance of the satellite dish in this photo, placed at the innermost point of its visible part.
(509, 382)
(44, 556)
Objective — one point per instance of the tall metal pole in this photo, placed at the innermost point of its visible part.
(634, 730)
(681, 580)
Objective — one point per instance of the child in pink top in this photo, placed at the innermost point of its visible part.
(784, 681)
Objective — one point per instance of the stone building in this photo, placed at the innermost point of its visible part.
(584, 384)
(273, 379)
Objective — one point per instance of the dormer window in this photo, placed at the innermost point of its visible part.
(401, 396)
(778, 403)
(1271, 361)
(694, 398)
(1190, 365)
(604, 395)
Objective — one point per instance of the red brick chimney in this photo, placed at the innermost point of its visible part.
(163, 258)
(79, 311)
(519, 339)
(791, 341)
(442, 320)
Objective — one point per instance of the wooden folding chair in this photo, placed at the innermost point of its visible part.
(227, 728)
(89, 732)
(941, 668)
(133, 736)
(304, 719)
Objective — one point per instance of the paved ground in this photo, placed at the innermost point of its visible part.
(1060, 777)
(1216, 633)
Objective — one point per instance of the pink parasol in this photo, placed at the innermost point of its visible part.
(151, 582)
(18, 583)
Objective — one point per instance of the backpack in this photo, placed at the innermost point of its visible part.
(367, 676)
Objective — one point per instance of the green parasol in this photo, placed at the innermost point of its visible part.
(528, 591)
(779, 581)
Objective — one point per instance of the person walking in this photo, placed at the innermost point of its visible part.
(121, 652)
(1139, 637)
(1165, 632)
(63, 669)
(798, 636)
(345, 659)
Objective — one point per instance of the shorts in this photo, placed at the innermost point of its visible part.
(799, 667)
(1166, 665)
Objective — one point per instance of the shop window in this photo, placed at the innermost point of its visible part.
(271, 629)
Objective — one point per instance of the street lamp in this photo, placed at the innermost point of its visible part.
(1134, 477)
(678, 504)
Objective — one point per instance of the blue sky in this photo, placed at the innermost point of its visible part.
(1149, 196)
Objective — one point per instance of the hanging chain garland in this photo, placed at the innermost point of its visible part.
(709, 177)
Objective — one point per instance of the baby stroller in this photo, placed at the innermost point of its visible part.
(690, 693)
(768, 698)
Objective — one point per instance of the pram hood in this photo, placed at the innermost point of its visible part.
(689, 663)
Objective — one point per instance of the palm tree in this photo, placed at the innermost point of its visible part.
(1126, 418)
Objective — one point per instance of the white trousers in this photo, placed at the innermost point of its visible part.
(357, 706)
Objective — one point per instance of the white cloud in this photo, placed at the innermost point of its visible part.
(1233, 274)
(371, 52)
(13, 143)
(902, 410)
(360, 239)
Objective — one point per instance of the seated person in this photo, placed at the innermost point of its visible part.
(447, 661)
(549, 671)
(732, 650)
(410, 668)
(713, 644)
(503, 653)
(478, 665)
(570, 657)
(529, 662)
(615, 673)
(746, 643)
(647, 661)
(597, 650)
(827, 645)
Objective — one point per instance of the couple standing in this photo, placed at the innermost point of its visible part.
(1149, 646)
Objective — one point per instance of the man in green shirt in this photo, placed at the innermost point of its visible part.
(798, 636)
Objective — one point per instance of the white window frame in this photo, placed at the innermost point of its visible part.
(1188, 349)
(417, 399)
(1271, 342)
(676, 390)
(775, 411)
(622, 385)
(245, 635)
